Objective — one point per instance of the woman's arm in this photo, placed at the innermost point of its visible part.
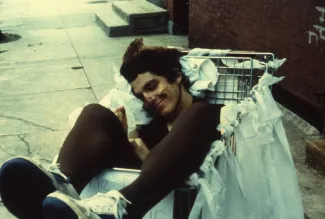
(184, 148)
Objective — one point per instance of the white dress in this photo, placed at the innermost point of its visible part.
(260, 181)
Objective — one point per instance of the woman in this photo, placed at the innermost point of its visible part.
(171, 147)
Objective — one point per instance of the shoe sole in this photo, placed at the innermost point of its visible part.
(51, 211)
(23, 196)
(39, 166)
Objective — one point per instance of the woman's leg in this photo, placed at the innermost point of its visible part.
(177, 156)
(96, 142)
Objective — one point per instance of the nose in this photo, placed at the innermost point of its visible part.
(149, 97)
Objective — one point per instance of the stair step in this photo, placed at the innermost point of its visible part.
(112, 24)
(315, 154)
(132, 17)
(142, 15)
(137, 7)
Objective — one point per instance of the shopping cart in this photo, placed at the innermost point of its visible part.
(238, 73)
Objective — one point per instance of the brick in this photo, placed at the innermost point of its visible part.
(315, 154)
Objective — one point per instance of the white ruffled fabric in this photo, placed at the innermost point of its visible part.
(208, 52)
(122, 96)
(255, 64)
(260, 181)
(201, 71)
(211, 185)
(202, 74)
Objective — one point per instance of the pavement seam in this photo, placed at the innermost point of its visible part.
(45, 92)
(28, 122)
(39, 62)
(31, 133)
(80, 63)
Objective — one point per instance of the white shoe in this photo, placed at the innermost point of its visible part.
(59, 180)
(109, 205)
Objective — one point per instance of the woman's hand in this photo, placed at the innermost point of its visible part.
(121, 115)
(140, 149)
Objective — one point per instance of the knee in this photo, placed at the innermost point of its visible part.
(96, 112)
(96, 109)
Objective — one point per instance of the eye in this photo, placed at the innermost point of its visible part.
(152, 85)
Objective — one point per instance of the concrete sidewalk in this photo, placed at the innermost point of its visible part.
(63, 61)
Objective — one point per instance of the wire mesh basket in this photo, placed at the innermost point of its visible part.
(238, 73)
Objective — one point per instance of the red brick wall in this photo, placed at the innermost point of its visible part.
(276, 26)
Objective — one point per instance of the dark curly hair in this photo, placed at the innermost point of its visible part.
(157, 60)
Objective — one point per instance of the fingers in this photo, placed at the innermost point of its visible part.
(120, 109)
(135, 142)
(140, 148)
(138, 144)
(121, 115)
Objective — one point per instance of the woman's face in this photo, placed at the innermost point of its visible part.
(157, 93)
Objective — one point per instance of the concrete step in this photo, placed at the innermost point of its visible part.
(315, 154)
(143, 16)
(112, 24)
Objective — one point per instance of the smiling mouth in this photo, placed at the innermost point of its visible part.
(158, 105)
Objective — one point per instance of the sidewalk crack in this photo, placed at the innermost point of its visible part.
(27, 122)
(22, 138)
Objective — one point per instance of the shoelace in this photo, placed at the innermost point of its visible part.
(55, 168)
(110, 203)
